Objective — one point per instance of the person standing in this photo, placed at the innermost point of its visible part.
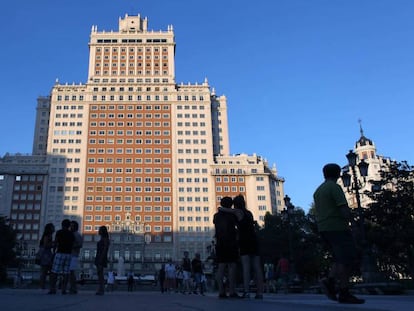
(333, 218)
(227, 248)
(282, 272)
(197, 269)
(249, 248)
(161, 278)
(186, 265)
(46, 253)
(111, 281)
(170, 276)
(101, 258)
(74, 261)
(61, 263)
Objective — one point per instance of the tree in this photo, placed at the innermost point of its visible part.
(390, 220)
(7, 246)
(305, 250)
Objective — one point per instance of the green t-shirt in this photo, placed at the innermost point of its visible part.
(328, 198)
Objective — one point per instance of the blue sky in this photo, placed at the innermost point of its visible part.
(298, 74)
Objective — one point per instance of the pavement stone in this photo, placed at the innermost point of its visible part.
(38, 300)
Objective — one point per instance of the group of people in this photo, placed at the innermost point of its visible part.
(58, 256)
(186, 278)
(236, 238)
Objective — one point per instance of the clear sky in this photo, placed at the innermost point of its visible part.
(298, 74)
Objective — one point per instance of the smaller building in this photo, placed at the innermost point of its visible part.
(250, 176)
(23, 180)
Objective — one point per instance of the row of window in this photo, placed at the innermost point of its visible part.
(128, 189)
(129, 151)
(106, 198)
(24, 178)
(131, 72)
(190, 171)
(128, 208)
(165, 180)
(26, 205)
(233, 171)
(130, 80)
(233, 189)
(192, 151)
(130, 160)
(191, 208)
(193, 229)
(131, 89)
(27, 196)
(111, 141)
(193, 199)
(196, 219)
(66, 124)
(64, 150)
(131, 133)
(196, 179)
(131, 49)
(190, 189)
(67, 141)
(69, 115)
(147, 124)
(194, 141)
(66, 132)
(27, 187)
(129, 116)
(131, 62)
(189, 161)
(226, 179)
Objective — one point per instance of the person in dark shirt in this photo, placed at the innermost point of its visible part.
(197, 269)
(249, 248)
(64, 240)
(186, 265)
(227, 248)
(101, 258)
(333, 218)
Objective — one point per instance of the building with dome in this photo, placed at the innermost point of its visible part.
(366, 150)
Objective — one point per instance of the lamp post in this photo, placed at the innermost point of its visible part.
(288, 210)
(353, 184)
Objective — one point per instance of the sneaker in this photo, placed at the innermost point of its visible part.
(328, 287)
(347, 297)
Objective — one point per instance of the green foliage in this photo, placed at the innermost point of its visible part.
(7, 246)
(390, 220)
(294, 236)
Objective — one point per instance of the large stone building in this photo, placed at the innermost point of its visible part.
(365, 149)
(133, 150)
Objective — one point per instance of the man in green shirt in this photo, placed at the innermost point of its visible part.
(333, 220)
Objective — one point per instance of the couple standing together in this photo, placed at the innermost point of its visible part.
(235, 236)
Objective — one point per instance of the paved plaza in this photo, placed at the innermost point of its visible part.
(37, 300)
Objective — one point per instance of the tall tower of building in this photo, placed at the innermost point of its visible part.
(135, 151)
(365, 149)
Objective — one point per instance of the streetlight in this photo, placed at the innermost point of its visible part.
(352, 183)
(356, 185)
(288, 211)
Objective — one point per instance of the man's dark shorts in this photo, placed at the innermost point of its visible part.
(342, 246)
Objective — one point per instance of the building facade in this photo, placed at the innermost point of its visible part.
(365, 149)
(133, 150)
